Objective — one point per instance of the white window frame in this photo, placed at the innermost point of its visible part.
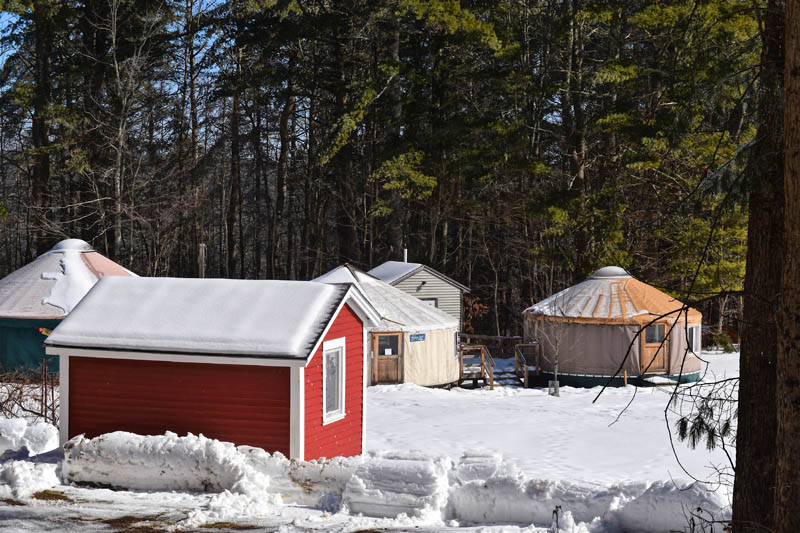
(333, 344)
(433, 302)
(695, 334)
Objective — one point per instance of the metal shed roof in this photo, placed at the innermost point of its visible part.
(393, 272)
(399, 311)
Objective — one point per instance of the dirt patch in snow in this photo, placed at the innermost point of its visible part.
(51, 496)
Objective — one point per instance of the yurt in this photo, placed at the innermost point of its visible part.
(414, 342)
(587, 331)
(40, 294)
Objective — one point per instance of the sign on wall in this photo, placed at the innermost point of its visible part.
(416, 337)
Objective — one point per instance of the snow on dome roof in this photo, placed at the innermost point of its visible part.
(54, 283)
(611, 272)
(261, 318)
(399, 311)
(610, 295)
(77, 245)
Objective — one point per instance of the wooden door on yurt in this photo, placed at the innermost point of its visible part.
(655, 348)
(387, 362)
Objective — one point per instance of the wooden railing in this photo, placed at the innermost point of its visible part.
(524, 359)
(499, 346)
(486, 364)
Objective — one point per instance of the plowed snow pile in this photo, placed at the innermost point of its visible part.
(20, 474)
(478, 489)
(37, 437)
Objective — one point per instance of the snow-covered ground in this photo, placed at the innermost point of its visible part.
(442, 459)
(565, 437)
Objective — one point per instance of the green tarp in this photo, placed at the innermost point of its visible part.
(21, 345)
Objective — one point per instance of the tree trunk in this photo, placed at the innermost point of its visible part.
(40, 125)
(280, 186)
(236, 187)
(393, 136)
(120, 143)
(787, 493)
(753, 493)
(191, 24)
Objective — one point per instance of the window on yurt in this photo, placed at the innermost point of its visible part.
(654, 334)
(333, 379)
(694, 339)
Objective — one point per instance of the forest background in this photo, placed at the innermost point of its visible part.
(514, 145)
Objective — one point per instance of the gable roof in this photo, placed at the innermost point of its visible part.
(610, 295)
(260, 318)
(398, 310)
(393, 272)
(52, 285)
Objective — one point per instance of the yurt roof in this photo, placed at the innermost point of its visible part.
(399, 311)
(260, 318)
(611, 295)
(54, 283)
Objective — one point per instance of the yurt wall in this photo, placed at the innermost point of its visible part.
(432, 361)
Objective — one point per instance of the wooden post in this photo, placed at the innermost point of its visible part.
(483, 366)
(538, 359)
(201, 261)
(489, 369)
(626, 377)
(460, 361)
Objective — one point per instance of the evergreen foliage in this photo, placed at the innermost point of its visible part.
(515, 145)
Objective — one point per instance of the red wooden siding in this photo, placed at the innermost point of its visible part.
(343, 437)
(234, 403)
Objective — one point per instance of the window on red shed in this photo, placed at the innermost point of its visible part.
(333, 373)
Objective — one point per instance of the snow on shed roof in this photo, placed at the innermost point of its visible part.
(54, 283)
(399, 310)
(393, 272)
(610, 295)
(266, 318)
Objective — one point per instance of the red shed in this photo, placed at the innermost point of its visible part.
(273, 364)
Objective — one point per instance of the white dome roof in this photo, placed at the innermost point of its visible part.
(610, 272)
(77, 245)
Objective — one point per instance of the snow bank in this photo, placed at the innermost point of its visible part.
(480, 488)
(317, 483)
(37, 437)
(507, 495)
(197, 463)
(162, 462)
(665, 506)
(392, 484)
(19, 479)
